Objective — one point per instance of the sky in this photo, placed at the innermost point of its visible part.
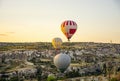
(40, 20)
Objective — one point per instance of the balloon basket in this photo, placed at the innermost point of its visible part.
(61, 76)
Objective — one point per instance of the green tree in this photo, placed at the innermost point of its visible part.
(39, 72)
(14, 79)
(114, 79)
(3, 79)
(51, 78)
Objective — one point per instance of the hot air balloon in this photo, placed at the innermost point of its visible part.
(68, 28)
(57, 42)
(62, 61)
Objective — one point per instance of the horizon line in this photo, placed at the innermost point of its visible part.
(63, 42)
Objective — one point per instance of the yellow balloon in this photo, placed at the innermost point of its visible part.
(57, 42)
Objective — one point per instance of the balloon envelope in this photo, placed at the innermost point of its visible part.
(62, 61)
(68, 28)
(57, 42)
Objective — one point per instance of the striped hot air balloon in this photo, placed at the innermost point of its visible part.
(68, 28)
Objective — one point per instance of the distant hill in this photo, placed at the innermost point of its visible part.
(4, 46)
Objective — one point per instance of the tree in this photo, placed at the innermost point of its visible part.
(72, 74)
(39, 72)
(114, 79)
(3, 79)
(14, 79)
(51, 78)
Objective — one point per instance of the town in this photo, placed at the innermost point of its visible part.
(34, 61)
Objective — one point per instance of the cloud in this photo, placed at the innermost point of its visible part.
(10, 32)
(6, 33)
(3, 35)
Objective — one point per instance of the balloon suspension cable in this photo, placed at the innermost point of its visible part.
(68, 40)
(55, 51)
